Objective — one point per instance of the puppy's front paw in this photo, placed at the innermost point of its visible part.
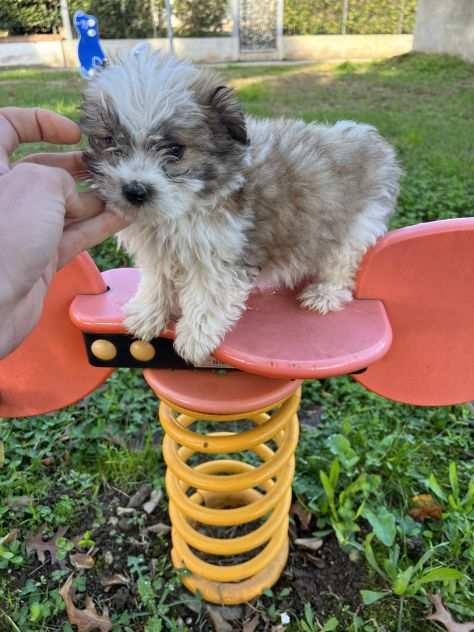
(324, 297)
(143, 320)
(193, 348)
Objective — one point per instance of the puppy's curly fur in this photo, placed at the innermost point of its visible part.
(216, 198)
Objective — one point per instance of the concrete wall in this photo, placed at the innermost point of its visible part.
(209, 49)
(31, 54)
(217, 49)
(345, 47)
(445, 26)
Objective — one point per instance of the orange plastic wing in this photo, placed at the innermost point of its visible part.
(424, 275)
(49, 370)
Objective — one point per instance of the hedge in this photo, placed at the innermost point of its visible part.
(117, 18)
(198, 17)
(133, 18)
(20, 17)
(123, 18)
(305, 17)
(381, 16)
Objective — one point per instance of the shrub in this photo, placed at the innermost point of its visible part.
(304, 17)
(117, 18)
(199, 18)
(21, 17)
(308, 17)
(124, 18)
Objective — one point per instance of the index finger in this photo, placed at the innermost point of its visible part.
(70, 161)
(29, 125)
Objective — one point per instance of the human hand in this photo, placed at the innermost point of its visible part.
(44, 221)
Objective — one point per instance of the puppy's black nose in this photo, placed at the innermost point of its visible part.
(137, 193)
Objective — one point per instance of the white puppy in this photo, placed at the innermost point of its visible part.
(215, 198)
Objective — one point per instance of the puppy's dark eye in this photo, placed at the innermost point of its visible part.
(102, 142)
(175, 151)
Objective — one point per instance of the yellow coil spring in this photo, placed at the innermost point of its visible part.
(229, 492)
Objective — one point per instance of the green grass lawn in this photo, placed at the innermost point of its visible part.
(361, 459)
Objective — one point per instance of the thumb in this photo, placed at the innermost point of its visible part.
(82, 235)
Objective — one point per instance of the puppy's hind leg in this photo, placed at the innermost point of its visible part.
(335, 282)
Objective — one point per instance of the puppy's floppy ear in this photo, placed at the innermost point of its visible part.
(222, 105)
(224, 101)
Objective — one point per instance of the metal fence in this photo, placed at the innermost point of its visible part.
(260, 24)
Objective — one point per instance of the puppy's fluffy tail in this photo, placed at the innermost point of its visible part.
(379, 172)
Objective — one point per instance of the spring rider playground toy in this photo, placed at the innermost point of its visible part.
(408, 336)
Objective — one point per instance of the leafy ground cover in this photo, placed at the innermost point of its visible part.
(384, 493)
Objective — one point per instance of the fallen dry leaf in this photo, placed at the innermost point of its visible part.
(82, 560)
(155, 497)
(304, 516)
(425, 507)
(354, 555)
(117, 440)
(36, 544)
(16, 502)
(10, 537)
(311, 417)
(310, 544)
(443, 616)
(114, 580)
(139, 496)
(125, 511)
(230, 613)
(159, 529)
(218, 621)
(251, 626)
(88, 619)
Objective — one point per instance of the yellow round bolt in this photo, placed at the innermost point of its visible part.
(142, 351)
(103, 349)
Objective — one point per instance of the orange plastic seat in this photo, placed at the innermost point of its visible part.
(49, 370)
(102, 313)
(424, 275)
(275, 337)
